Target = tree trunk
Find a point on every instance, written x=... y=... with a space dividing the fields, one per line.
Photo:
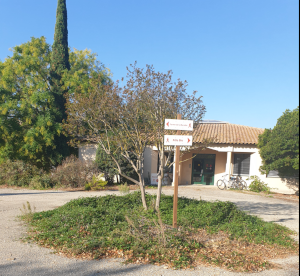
x=160 y=177
x=142 y=188
x=142 y=183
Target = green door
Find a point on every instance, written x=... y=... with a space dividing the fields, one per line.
x=203 y=169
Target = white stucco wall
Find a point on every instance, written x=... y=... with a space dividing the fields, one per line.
x=87 y=152
x=150 y=163
x=277 y=184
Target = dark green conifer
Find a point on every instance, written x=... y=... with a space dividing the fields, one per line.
x=59 y=63
x=60 y=53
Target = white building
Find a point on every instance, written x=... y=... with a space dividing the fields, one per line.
x=233 y=151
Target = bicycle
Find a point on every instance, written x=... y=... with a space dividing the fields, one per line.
x=243 y=182
x=233 y=183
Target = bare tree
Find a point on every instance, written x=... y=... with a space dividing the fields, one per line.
x=166 y=99
x=132 y=117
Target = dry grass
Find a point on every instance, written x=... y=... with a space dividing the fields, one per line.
x=219 y=251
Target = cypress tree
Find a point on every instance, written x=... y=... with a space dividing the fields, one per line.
x=60 y=53
x=59 y=63
x=60 y=57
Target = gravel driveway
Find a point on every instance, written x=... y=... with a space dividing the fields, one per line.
x=18 y=258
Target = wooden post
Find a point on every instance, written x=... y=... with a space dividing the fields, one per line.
x=175 y=198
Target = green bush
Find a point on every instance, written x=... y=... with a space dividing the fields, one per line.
x=17 y=173
x=41 y=182
x=257 y=185
x=73 y=173
x=96 y=183
x=123 y=188
x=98 y=225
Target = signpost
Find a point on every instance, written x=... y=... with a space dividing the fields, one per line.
x=179 y=124
x=154 y=179
x=177 y=140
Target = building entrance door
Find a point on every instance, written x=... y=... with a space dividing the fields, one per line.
x=203 y=169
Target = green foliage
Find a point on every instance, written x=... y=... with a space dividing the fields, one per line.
x=60 y=63
x=108 y=166
x=30 y=124
x=84 y=68
x=97 y=183
x=27 y=212
x=72 y=173
x=27 y=126
x=41 y=182
x=60 y=53
x=99 y=225
x=279 y=147
x=123 y=188
x=18 y=173
x=257 y=185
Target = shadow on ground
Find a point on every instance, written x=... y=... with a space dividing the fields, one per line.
x=38 y=193
x=267 y=209
x=80 y=268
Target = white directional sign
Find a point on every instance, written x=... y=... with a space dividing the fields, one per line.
x=179 y=124
x=154 y=179
x=178 y=140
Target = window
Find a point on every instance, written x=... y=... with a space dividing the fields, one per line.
x=241 y=164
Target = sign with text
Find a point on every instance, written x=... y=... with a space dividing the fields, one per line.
x=178 y=140
x=154 y=179
x=179 y=124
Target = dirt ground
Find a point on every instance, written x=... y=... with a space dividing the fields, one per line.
x=18 y=258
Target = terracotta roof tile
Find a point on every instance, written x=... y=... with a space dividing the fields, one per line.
x=225 y=133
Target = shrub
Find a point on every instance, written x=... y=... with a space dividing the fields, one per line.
x=257 y=185
x=123 y=189
x=112 y=226
x=97 y=183
x=17 y=173
x=74 y=172
x=41 y=182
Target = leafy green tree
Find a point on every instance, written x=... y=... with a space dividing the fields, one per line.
x=28 y=120
x=279 y=147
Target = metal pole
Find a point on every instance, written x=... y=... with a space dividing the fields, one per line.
x=175 y=199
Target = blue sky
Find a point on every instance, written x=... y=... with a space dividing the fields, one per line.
x=242 y=56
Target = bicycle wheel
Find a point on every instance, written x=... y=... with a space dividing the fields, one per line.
x=221 y=184
x=239 y=185
x=244 y=184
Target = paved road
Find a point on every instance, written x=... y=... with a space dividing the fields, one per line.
x=17 y=258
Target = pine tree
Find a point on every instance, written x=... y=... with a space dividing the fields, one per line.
x=59 y=63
